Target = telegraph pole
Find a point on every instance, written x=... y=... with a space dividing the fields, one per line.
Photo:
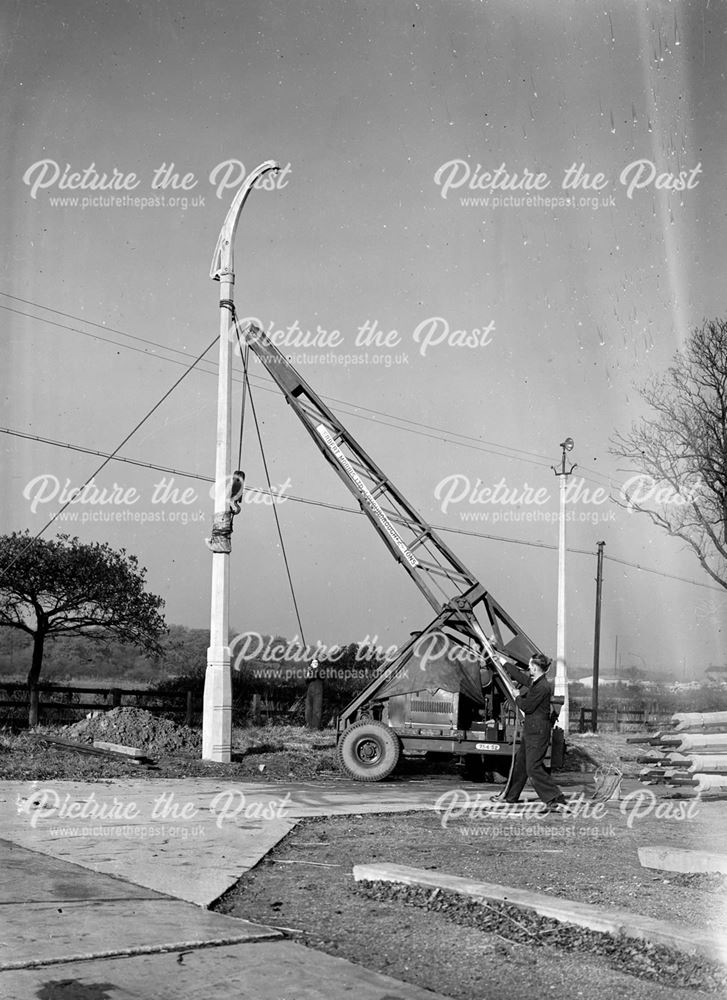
x=217 y=708
x=597 y=637
x=561 y=673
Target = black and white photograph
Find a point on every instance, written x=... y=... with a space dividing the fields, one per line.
x=363 y=508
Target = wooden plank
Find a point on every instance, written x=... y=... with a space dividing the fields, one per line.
x=86 y=748
x=680 y=859
x=119 y=748
x=687 y=939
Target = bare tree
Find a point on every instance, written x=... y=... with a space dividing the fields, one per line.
x=63 y=586
x=680 y=452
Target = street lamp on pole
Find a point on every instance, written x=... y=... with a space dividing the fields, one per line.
x=217 y=707
x=561 y=673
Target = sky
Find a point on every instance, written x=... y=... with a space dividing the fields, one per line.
x=386 y=117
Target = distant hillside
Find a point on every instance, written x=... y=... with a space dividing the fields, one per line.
x=78 y=658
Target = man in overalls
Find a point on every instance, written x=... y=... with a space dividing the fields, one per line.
x=530 y=758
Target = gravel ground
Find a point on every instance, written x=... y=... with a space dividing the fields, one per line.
x=638 y=958
x=306 y=885
x=259 y=754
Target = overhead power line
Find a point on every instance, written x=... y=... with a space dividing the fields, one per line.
x=350 y=510
x=283 y=549
x=175 y=350
x=110 y=456
x=413 y=426
x=264 y=384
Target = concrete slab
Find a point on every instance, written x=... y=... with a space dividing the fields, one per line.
x=69 y=914
x=677 y=859
x=191 y=840
x=116 y=941
x=687 y=939
x=274 y=970
x=188 y=838
x=26 y=877
x=46 y=933
x=198 y=871
x=345 y=797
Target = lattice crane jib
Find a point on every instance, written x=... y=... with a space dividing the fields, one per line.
x=451 y=589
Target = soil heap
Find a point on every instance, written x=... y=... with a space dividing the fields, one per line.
x=135 y=727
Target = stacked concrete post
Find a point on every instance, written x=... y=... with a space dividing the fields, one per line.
x=690 y=755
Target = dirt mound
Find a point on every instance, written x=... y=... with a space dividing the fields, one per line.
x=134 y=727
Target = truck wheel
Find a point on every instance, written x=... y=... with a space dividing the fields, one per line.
x=368 y=751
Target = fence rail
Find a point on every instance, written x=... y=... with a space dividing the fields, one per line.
x=622 y=720
x=70 y=701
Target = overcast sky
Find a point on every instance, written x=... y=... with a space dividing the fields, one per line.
x=385 y=116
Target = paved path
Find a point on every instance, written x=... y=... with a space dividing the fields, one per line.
x=188 y=838
x=98 y=881
x=274 y=970
x=53 y=912
x=70 y=934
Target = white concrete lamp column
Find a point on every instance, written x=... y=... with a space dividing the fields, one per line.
x=217 y=707
x=561 y=669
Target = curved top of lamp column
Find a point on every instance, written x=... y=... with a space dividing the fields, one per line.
x=223 y=260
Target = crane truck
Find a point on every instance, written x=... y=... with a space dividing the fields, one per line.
x=451 y=688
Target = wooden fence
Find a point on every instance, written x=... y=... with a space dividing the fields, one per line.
x=61 y=702
x=622 y=720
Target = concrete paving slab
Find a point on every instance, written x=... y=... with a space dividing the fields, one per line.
x=71 y=914
x=188 y=838
x=46 y=933
x=197 y=871
x=191 y=840
x=106 y=946
x=27 y=878
x=272 y=970
x=678 y=859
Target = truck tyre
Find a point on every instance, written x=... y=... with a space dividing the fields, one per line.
x=368 y=751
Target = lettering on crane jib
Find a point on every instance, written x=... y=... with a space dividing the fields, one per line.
x=368 y=498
